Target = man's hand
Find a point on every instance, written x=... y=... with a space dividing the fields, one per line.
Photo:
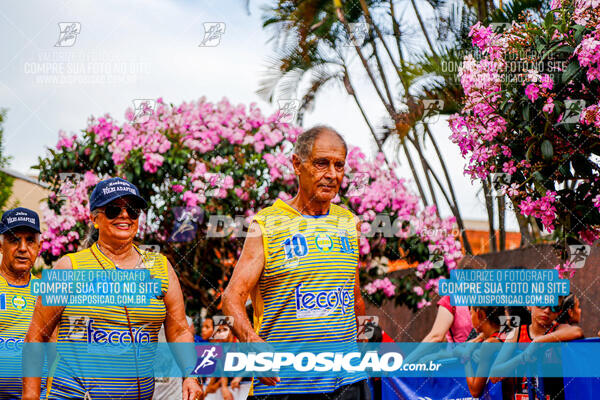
x=226 y=393
x=269 y=381
x=192 y=389
x=235 y=383
x=272 y=380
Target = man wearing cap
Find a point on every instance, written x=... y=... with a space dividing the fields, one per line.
x=115 y=206
x=19 y=246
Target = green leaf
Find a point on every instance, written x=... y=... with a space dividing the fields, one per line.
x=570 y=71
x=539 y=177
x=548 y=20
x=566 y=49
x=565 y=170
x=552 y=50
x=540 y=47
x=526 y=113
x=547 y=150
x=579 y=29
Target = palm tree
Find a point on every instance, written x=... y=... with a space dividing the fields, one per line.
x=402 y=56
x=6 y=181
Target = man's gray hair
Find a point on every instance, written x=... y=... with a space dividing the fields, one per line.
x=306 y=140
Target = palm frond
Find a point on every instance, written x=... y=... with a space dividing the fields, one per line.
x=511 y=11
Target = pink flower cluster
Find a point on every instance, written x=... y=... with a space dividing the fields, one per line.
x=588 y=54
x=104 y=129
x=591 y=115
x=539 y=85
x=372 y=189
x=74 y=210
x=541 y=208
x=280 y=166
x=65 y=142
x=484 y=132
x=583 y=13
x=565 y=270
x=488 y=42
x=384 y=285
x=479 y=123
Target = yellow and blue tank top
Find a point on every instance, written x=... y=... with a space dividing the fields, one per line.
x=108 y=324
x=306 y=290
x=16 y=308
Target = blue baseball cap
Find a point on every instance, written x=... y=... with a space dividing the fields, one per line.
x=111 y=189
x=19 y=217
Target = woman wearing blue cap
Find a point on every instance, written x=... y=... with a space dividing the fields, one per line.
x=115 y=206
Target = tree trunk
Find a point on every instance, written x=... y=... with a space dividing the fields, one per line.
x=489 y=205
x=501 y=222
x=526 y=237
x=414 y=173
x=426 y=171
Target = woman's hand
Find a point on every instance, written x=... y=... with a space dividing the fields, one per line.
x=192 y=389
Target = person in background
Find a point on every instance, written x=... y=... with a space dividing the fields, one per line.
x=452 y=323
x=570 y=311
x=218 y=388
x=543 y=329
x=486 y=321
x=519 y=311
x=207 y=329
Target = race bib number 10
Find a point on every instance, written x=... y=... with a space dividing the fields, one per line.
x=295 y=246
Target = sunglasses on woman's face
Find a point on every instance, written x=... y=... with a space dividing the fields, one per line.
x=113 y=211
x=553 y=309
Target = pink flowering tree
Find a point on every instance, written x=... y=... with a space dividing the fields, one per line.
x=218 y=164
x=530 y=119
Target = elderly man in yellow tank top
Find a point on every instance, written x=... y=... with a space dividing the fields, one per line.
x=19 y=246
x=299 y=265
x=115 y=205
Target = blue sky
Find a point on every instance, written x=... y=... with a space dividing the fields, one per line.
x=152 y=50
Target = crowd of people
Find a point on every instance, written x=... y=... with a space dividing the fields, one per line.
x=302 y=281
x=507 y=326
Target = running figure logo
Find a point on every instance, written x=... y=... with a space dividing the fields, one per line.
x=508 y=326
x=144 y=109
x=357 y=34
x=288 y=110
x=366 y=326
x=578 y=254
x=207 y=359
x=431 y=110
x=186 y=223
x=212 y=34
x=68 y=33
x=77 y=327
